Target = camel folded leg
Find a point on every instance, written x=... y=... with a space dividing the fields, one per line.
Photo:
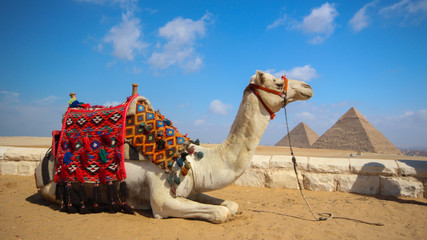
x=185 y=208
x=204 y=198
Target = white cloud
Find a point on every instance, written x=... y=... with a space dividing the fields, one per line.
x=305 y=116
x=111 y=103
x=100 y=47
x=218 y=107
x=360 y=19
x=404 y=130
x=136 y=70
x=304 y=73
x=200 y=122
x=411 y=10
x=9 y=94
x=92 y=1
x=45 y=114
x=181 y=35
x=48 y=99
x=110 y=64
x=277 y=22
x=125 y=4
x=125 y=37
x=184 y=105
x=320 y=23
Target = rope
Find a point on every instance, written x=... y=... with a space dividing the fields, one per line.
x=320 y=216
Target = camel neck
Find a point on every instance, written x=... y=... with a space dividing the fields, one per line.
x=245 y=134
x=225 y=163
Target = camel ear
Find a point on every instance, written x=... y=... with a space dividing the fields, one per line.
x=260 y=77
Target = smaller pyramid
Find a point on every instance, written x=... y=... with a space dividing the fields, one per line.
x=354 y=132
x=302 y=136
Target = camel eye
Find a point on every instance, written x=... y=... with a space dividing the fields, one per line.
x=279 y=85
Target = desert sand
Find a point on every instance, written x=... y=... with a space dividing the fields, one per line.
x=265 y=214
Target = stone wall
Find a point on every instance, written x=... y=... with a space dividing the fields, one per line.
x=406 y=178
x=19 y=160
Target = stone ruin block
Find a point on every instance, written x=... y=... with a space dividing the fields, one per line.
x=319 y=182
x=251 y=178
x=282 y=179
x=399 y=186
x=361 y=184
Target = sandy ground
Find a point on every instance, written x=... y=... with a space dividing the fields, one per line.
x=265 y=214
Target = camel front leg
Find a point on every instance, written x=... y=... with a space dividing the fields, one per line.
x=185 y=208
x=204 y=198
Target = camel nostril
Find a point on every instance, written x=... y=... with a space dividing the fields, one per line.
x=307 y=86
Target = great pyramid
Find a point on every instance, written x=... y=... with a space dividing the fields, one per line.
x=301 y=136
x=353 y=132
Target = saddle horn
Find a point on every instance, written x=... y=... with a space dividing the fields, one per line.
x=134 y=89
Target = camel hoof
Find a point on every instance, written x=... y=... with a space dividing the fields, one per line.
x=222 y=215
x=232 y=206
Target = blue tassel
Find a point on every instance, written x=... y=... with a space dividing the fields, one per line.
x=67 y=158
x=180 y=162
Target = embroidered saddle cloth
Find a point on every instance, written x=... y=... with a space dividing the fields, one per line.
x=154 y=136
x=91 y=143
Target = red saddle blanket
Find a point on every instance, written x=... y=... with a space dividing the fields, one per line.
x=91 y=148
x=91 y=145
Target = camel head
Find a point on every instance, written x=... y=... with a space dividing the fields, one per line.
x=272 y=91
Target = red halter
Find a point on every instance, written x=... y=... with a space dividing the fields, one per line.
x=254 y=88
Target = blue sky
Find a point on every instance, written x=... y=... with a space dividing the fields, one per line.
x=193 y=59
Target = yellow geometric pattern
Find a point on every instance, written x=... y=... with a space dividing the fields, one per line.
x=153 y=135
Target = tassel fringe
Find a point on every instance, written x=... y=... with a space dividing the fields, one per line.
x=96 y=198
x=83 y=199
x=66 y=195
x=69 y=198
x=126 y=209
x=60 y=196
x=124 y=194
x=112 y=197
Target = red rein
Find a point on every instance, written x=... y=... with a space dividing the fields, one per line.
x=254 y=88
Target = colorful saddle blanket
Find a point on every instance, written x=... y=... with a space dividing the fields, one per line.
x=154 y=136
x=91 y=142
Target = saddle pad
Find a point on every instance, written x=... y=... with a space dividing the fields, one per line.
x=154 y=136
x=91 y=145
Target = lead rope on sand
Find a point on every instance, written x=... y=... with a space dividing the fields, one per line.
x=320 y=216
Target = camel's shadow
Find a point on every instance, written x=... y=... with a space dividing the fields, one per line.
x=37 y=199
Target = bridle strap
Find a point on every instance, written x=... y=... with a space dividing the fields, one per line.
x=254 y=88
x=280 y=94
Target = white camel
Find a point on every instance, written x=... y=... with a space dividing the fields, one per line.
x=221 y=165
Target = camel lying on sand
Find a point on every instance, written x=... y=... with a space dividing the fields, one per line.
x=220 y=166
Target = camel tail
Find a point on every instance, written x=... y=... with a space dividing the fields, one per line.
x=45 y=170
